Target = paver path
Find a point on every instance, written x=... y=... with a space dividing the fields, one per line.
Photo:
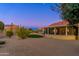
x=40 y=47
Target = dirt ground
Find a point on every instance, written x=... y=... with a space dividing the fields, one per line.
x=39 y=47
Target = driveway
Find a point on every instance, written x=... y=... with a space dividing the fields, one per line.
x=39 y=47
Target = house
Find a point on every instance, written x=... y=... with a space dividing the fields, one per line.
x=10 y=27
x=60 y=30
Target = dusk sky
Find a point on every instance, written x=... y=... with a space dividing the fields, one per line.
x=30 y=15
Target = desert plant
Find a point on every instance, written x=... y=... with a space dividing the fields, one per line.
x=9 y=33
x=22 y=32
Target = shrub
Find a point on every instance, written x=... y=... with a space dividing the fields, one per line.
x=9 y=33
x=35 y=36
x=2 y=42
x=22 y=33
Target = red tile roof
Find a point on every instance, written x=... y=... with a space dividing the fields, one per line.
x=60 y=23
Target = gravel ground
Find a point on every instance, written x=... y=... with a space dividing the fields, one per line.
x=39 y=47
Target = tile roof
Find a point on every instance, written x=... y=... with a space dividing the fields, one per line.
x=60 y=23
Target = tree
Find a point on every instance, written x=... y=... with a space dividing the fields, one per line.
x=70 y=12
x=1 y=26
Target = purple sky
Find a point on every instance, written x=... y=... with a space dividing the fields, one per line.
x=30 y=15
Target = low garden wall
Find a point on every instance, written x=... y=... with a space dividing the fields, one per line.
x=61 y=37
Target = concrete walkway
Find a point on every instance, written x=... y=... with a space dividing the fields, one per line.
x=39 y=47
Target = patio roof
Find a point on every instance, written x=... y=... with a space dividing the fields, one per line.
x=60 y=23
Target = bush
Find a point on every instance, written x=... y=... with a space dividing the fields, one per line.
x=22 y=33
x=9 y=33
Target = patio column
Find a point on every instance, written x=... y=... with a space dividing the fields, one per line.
x=43 y=31
x=48 y=30
x=66 y=31
x=54 y=31
x=78 y=31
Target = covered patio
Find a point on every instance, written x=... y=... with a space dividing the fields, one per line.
x=60 y=30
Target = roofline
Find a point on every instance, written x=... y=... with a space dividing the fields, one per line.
x=61 y=26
